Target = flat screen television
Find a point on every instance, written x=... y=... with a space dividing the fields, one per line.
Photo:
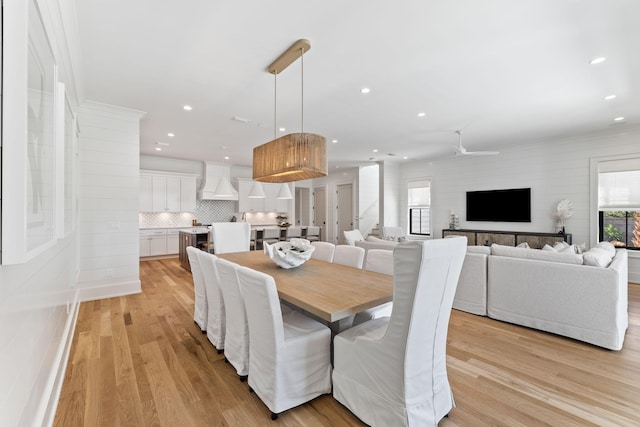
x=512 y=205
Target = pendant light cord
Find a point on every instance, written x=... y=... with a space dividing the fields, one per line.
x=302 y=91
x=275 y=104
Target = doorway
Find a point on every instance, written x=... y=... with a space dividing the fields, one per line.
x=302 y=207
x=344 y=210
x=320 y=210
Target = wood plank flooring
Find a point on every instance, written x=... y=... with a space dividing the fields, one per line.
x=140 y=360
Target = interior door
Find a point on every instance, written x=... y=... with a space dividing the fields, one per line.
x=344 y=209
x=302 y=206
x=320 y=209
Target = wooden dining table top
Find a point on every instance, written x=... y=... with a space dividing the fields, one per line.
x=329 y=291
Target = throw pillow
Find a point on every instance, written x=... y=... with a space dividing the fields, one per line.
x=523 y=245
x=607 y=246
x=535 y=254
x=597 y=257
x=559 y=246
x=549 y=248
x=570 y=249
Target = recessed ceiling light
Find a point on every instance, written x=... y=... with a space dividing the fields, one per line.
x=226 y=157
x=405 y=157
x=158 y=149
x=375 y=150
x=170 y=135
x=619 y=119
x=365 y=90
x=335 y=141
x=187 y=107
x=609 y=97
x=282 y=129
x=598 y=60
x=422 y=114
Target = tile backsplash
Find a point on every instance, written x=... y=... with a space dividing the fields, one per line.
x=207 y=211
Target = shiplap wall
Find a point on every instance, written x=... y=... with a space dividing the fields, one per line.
x=554 y=170
x=109 y=201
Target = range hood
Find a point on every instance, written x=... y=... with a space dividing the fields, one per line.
x=212 y=174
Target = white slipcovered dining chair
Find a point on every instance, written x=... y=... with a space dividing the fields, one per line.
x=352 y=256
x=392 y=371
x=236 y=336
x=379 y=261
x=200 y=294
x=323 y=251
x=289 y=361
x=352 y=236
x=230 y=237
x=215 y=301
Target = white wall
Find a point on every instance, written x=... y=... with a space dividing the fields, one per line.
x=331 y=182
x=368 y=198
x=390 y=194
x=109 y=201
x=554 y=170
x=38 y=299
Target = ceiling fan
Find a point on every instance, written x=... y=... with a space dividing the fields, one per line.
x=461 y=151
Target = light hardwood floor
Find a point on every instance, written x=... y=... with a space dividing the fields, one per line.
x=140 y=360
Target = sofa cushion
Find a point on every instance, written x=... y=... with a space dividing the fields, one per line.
x=597 y=257
x=535 y=254
x=483 y=250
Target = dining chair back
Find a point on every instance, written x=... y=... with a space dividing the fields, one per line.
x=236 y=337
x=323 y=251
x=230 y=237
x=271 y=235
x=393 y=371
x=200 y=294
x=294 y=232
x=289 y=356
x=215 y=301
x=352 y=256
x=380 y=261
x=312 y=233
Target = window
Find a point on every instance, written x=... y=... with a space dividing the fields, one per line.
x=619 y=203
x=419 y=204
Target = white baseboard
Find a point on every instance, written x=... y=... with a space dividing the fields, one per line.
x=109 y=291
x=48 y=407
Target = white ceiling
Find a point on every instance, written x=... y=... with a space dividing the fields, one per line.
x=503 y=71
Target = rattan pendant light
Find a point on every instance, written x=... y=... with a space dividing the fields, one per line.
x=296 y=156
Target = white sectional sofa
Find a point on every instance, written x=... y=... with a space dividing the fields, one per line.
x=555 y=293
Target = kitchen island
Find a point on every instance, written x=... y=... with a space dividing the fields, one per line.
x=198 y=238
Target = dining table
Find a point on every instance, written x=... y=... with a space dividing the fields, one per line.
x=331 y=292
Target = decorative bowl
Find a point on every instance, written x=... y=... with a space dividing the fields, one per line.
x=289 y=254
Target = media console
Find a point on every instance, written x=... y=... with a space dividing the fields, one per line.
x=508 y=238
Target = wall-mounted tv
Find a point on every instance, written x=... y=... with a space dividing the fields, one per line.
x=512 y=205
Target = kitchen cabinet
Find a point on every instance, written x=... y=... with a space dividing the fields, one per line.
x=153 y=242
x=270 y=203
x=172 y=241
x=167 y=193
x=196 y=238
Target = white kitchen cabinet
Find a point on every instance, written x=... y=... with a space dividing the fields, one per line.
x=153 y=242
x=172 y=241
x=270 y=203
x=245 y=204
x=187 y=194
x=167 y=193
x=146 y=196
